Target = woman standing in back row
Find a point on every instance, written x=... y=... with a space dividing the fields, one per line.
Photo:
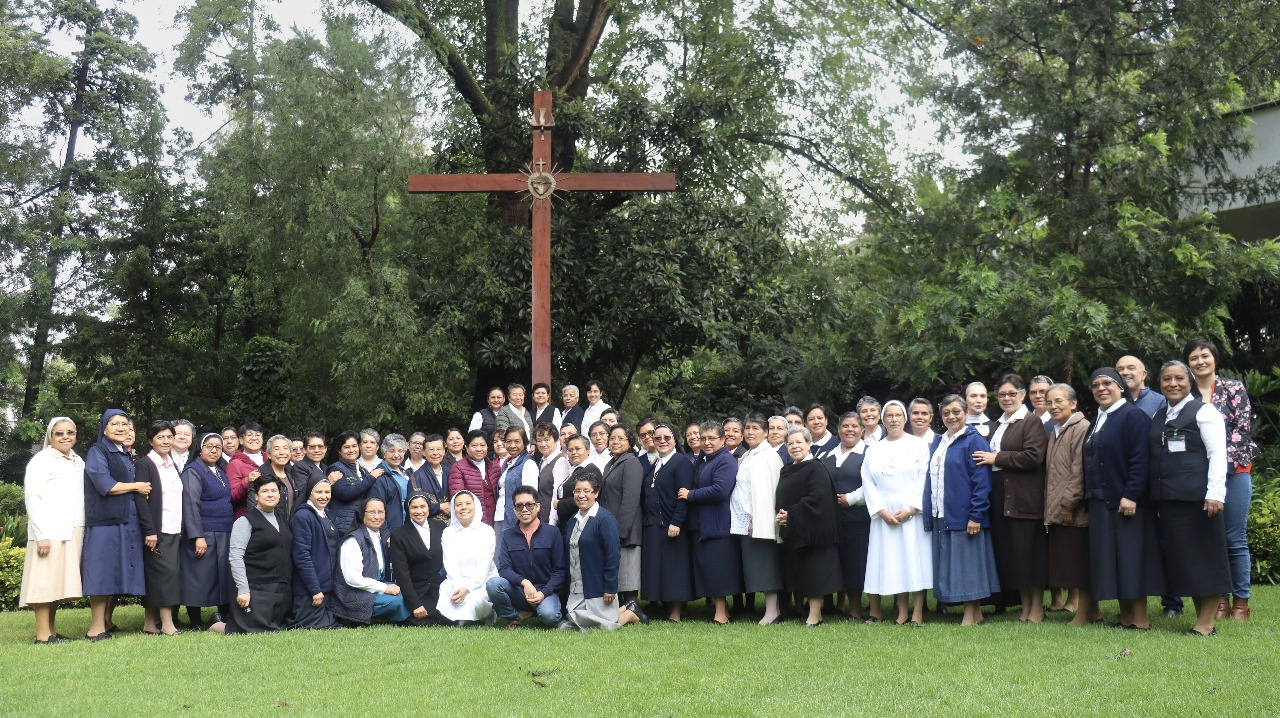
x=1231 y=400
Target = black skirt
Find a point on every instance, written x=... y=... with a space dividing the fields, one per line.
x=717 y=566
x=761 y=565
x=812 y=570
x=163 y=568
x=268 y=611
x=1021 y=552
x=1069 y=557
x=1195 y=549
x=666 y=566
x=1124 y=553
x=854 y=539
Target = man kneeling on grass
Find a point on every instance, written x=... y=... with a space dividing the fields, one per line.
x=531 y=566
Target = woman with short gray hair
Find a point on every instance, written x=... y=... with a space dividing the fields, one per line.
x=392 y=485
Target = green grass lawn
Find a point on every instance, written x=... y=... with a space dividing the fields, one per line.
x=843 y=668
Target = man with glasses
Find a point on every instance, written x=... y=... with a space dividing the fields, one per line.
x=314 y=447
x=531 y=568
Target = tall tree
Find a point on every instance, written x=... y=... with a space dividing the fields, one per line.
x=99 y=97
x=1098 y=135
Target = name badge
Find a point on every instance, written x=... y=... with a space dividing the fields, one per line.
x=1177 y=443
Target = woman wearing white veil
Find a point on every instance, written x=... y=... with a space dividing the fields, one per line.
x=468 y=545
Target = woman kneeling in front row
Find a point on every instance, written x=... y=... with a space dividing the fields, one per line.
x=261 y=556
x=361 y=590
x=594 y=553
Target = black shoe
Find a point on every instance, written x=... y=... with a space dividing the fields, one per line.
x=1172 y=612
x=813 y=625
x=1190 y=632
x=59 y=639
x=512 y=623
x=100 y=637
x=634 y=607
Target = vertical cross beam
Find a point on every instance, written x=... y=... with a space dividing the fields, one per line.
x=542 y=119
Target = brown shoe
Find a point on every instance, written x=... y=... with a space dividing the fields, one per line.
x=1224 y=608
x=1240 y=609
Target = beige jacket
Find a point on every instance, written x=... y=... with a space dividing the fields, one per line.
x=1064 y=473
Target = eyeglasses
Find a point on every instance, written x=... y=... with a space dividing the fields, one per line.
x=64 y=433
x=1009 y=394
x=663 y=437
x=583 y=492
x=646 y=434
x=315 y=446
x=526 y=507
x=1103 y=384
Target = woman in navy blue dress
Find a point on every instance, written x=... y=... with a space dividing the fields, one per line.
x=111 y=563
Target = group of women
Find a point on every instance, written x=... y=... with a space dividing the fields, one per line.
x=406 y=531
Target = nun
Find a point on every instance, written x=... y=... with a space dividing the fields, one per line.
x=111 y=563
x=1124 y=554
x=207 y=516
x=415 y=552
x=468 y=545
x=315 y=548
x=54 y=488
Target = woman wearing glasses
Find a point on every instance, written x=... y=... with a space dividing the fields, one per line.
x=622 y=496
x=362 y=590
x=1016 y=459
x=1124 y=555
x=54 y=487
x=666 y=568
x=716 y=556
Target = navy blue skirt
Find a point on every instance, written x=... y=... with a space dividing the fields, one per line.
x=717 y=566
x=666 y=566
x=111 y=563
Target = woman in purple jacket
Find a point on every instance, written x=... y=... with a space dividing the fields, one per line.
x=717 y=565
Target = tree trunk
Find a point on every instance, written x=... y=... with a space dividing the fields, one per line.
x=45 y=289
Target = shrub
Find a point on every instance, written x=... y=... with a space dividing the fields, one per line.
x=12 y=500
x=11 y=561
x=14 y=526
x=1264 y=534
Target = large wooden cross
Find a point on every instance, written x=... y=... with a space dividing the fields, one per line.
x=541 y=181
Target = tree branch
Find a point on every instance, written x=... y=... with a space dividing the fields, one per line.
x=413 y=16
x=810 y=151
x=585 y=45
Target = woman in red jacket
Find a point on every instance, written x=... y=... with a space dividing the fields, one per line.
x=477 y=473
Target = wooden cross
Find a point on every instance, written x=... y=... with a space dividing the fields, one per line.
x=541 y=184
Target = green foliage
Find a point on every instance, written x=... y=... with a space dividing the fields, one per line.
x=14 y=526
x=12 y=500
x=1264 y=528
x=12 y=559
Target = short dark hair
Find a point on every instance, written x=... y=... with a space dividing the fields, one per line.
x=364 y=506
x=816 y=406
x=432 y=437
x=756 y=418
x=158 y=427
x=545 y=429
x=626 y=431
x=250 y=426
x=1202 y=343
x=597 y=384
x=541 y=385
x=314 y=435
x=610 y=410
x=341 y=439
x=590 y=478
x=524 y=439
x=1011 y=378
x=262 y=481
x=471 y=436
x=522 y=489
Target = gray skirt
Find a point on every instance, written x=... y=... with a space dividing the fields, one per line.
x=761 y=565
x=588 y=613
x=629 y=569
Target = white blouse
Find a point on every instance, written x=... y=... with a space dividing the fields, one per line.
x=171 y=493
x=54 y=488
x=353 y=564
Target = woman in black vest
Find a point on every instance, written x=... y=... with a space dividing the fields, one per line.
x=853 y=523
x=1188 y=444
x=261 y=557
